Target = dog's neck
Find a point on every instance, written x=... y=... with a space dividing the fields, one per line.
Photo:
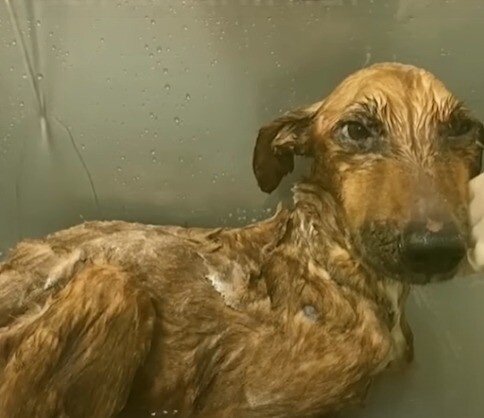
x=318 y=228
x=314 y=233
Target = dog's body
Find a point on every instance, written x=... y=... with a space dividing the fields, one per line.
x=289 y=317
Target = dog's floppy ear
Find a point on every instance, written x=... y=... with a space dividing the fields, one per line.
x=278 y=142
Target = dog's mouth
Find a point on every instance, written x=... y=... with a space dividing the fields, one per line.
x=415 y=255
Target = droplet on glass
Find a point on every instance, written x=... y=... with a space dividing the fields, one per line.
x=188 y=97
x=177 y=120
x=167 y=87
x=40 y=77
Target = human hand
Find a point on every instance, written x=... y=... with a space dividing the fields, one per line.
x=476 y=216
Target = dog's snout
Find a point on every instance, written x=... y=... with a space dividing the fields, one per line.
x=432 y=249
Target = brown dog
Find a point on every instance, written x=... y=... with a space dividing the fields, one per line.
x=289 y=317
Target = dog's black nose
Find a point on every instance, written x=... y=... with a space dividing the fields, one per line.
x=432 y=250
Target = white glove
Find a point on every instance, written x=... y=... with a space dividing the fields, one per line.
x=476 y=213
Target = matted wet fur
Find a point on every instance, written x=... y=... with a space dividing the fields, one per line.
x=292 y=316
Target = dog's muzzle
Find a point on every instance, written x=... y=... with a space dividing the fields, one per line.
x=432 y=252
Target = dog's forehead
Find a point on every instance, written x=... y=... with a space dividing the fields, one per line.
x=395 y=88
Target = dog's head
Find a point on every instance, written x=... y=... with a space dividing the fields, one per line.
x=396 y=149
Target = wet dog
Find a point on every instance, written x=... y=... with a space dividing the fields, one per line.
x=292 y=316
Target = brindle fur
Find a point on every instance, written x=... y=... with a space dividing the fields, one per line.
x=292 y=316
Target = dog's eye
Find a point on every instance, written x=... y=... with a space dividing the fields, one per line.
x=459 y=127
x=355 y=131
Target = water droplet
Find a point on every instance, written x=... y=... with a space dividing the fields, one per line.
x=177 y=120
x=188 y=97
x=14 y=42
x=167 y=87
x=153 y=155
x=119 y=169
x=11 y=70
x=165 y=70
x=38 y=23
x=153 y=21
x=147 y=47
x=159 y=49
x=181 y=159
x=53 y=47
x=152 y=115
x=123 y=157
x=40 y=77
x=155 y=134
x=151 y=55
x=185 y=27
x=21 y=104
x=108 y=80
x=51 y=34
x=102 y=40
